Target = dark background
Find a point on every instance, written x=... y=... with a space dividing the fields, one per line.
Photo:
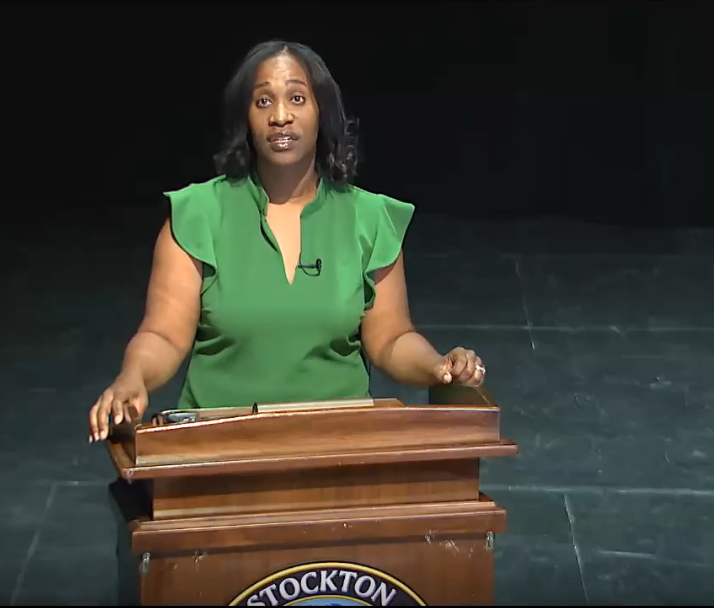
x=599 y=111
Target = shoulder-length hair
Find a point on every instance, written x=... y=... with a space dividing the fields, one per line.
x=336 y=157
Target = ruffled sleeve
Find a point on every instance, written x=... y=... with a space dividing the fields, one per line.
x=382 y=230
x=194 y=217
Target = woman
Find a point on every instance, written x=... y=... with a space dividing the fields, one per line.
x=279 y=274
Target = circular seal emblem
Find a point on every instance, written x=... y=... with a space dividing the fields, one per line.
x=328 y=584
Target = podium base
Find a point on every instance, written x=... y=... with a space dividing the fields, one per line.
x=438 y=554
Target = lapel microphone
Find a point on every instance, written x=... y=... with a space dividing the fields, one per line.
x=316 y=266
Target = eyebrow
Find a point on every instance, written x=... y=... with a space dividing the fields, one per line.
x=288 y=81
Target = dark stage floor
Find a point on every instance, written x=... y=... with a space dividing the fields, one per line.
x=599 y=344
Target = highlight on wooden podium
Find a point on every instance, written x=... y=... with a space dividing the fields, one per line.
x=355 y=502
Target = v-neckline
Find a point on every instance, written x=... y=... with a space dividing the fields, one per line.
x=260 y=197
x=276 y=245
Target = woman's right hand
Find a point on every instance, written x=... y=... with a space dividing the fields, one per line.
x=125 y=400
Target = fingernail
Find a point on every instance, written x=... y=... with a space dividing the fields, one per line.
x=117 y=419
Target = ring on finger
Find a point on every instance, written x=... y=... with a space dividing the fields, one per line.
x=480 y=368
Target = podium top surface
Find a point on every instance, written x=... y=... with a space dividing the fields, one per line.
x=279 y=437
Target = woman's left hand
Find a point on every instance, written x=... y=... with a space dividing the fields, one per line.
x=460 y=366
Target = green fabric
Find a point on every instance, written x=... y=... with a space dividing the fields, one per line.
x=259 y=338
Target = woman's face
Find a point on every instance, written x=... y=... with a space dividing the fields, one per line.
x=283 y=117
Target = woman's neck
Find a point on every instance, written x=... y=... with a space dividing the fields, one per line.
x=296 y=184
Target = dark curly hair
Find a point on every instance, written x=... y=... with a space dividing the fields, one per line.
x=336 y=157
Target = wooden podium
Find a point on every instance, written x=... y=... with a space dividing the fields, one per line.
x=347 y=503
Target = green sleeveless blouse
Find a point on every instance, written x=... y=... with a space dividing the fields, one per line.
x=259 y=338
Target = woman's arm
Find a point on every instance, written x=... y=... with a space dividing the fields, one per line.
x=390 y=340
x=168 y=328
x=162 y=341
x=394 y=346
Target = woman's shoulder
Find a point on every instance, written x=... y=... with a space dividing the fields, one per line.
x=209 y=189
x=373 y=209
x=207 y=198
x=373 y=202
x=196 y=214
x=382 y=224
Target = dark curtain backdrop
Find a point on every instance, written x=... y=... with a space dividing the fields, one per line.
x=599 y=111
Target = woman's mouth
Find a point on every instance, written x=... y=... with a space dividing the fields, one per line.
x=280 y=142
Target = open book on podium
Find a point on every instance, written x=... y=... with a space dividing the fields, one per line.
x=343 y=503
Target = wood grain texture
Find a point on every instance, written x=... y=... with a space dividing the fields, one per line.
x=341 y=487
